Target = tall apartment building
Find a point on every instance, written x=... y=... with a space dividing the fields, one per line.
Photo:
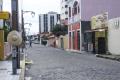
x=64 y=12
x=48 y=21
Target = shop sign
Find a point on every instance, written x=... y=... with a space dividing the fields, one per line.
x=4 y=15
x=99 y=21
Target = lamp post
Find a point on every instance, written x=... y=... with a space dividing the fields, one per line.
x=23 y=29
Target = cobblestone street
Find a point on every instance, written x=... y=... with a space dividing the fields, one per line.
x=55 y=64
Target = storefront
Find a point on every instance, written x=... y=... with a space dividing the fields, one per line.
x=74 y=36
x=100 y=29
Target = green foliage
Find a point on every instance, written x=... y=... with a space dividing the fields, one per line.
x=60 y=30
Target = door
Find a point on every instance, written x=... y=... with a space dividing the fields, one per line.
x=101 y=45
x=78 y=40
x=62 y=43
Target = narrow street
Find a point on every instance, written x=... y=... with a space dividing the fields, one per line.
x=56 y=64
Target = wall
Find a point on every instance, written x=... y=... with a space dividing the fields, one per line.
x=65 y=42
x=1 y=45
x=114 y=36
x=65 y=38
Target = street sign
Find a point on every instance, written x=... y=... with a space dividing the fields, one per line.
x=4 y=15
x=99 y=21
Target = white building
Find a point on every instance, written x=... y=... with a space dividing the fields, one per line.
x=48 y=21
x=114 y=36
x=64 y=10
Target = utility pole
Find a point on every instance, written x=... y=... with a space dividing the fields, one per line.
x=23 y=30
x=15 y=26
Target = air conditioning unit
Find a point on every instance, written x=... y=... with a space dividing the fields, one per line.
x=90 y=47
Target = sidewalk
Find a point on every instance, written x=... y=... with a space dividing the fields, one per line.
x=112 y=57
x=6 y=70
x=106 y=56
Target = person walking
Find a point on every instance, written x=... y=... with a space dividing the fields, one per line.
x=30 y=42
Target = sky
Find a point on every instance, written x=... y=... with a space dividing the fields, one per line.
x=38 y=6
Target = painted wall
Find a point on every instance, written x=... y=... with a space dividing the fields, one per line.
x=114 y=36
x=65 y=42
x=1 y=45
x=65 y=39
x=90 y=8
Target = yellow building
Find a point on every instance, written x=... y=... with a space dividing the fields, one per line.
x=63 y=42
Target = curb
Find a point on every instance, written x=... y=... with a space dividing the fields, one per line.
x=22 y=64
x=108 y=57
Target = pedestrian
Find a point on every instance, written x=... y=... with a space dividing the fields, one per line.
x=30 y=43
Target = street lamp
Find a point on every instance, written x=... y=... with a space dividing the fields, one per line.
x=23 y=29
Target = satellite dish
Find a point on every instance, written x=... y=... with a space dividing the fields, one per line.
x=14 y=38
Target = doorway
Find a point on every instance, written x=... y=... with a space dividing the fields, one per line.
x=101 y=45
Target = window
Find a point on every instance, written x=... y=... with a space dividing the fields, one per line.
x=69 y=11
x=40 y=24
x=51 y=22
x=75 y=8
x=66 y=12
x=73 y=38
x=78 y=9
x=58 y=17
x=66 y=6
x=69 y=34
x=45 y=23
x=65 y=0
x=66 y=18
x=78 y=40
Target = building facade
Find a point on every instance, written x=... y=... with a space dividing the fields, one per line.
x=74 y=24
x=90 y=8
x=48 y=21
x=64 y=12
x=113 y=36
x=80 y=13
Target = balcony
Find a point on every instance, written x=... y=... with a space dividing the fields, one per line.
x=74 y=19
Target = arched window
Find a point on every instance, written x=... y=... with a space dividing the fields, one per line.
x=75 y=7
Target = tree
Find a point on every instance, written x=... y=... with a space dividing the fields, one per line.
x=60 y=30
